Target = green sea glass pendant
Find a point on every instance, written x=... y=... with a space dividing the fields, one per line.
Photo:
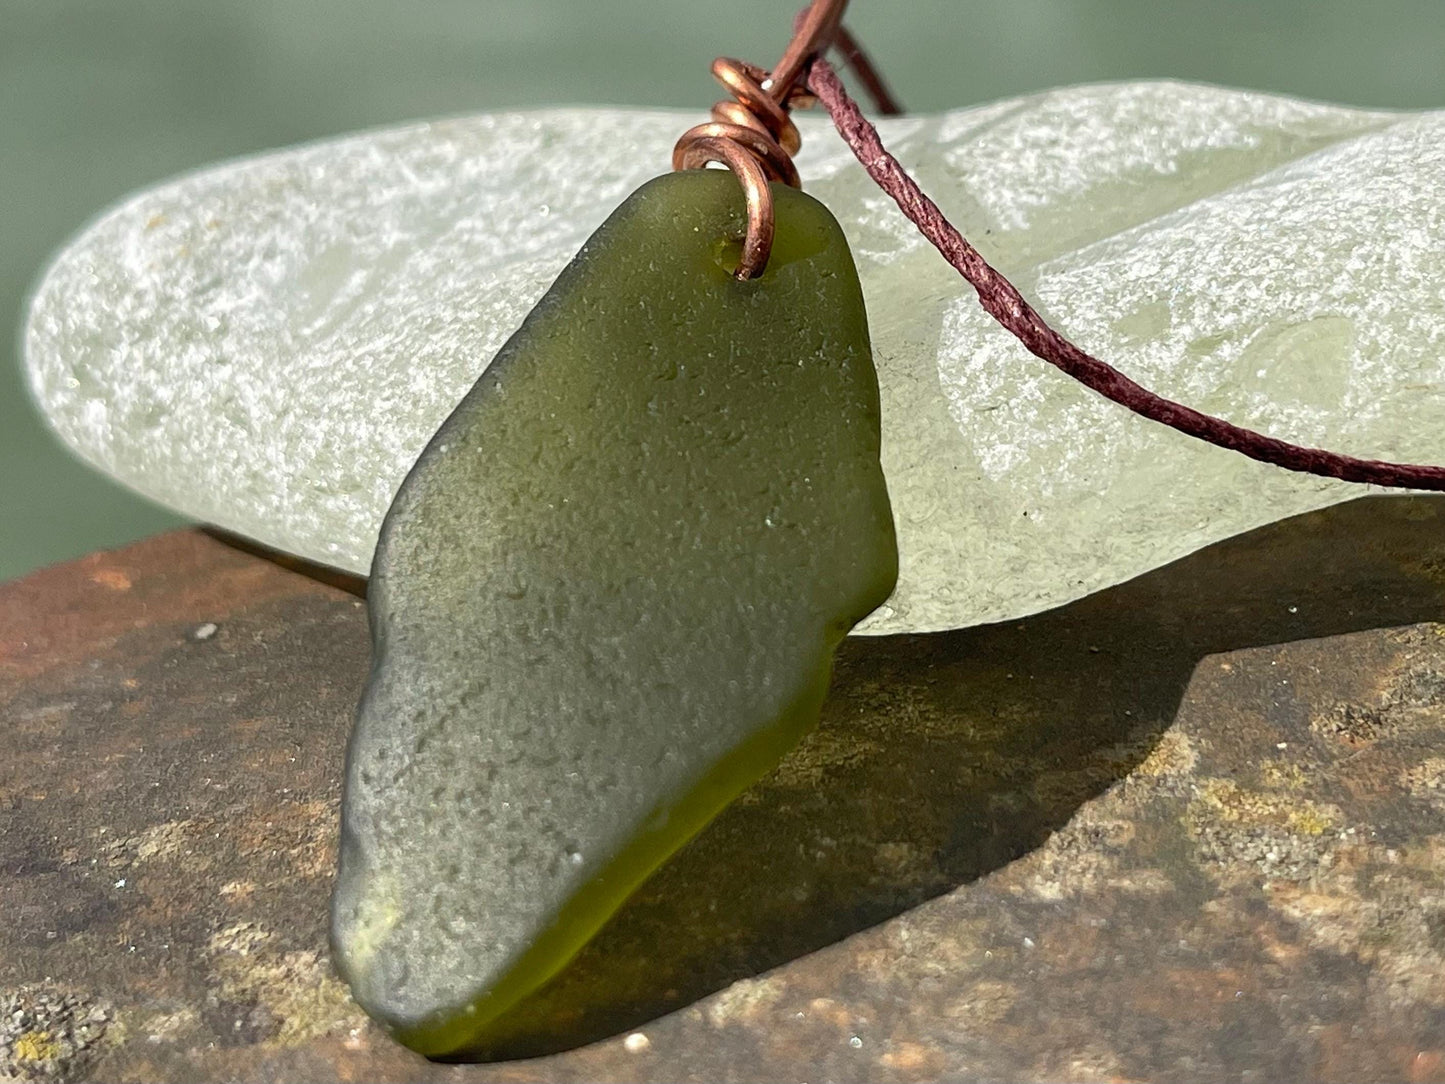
x=606 y=599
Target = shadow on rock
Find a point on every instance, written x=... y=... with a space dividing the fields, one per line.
x=943 y=757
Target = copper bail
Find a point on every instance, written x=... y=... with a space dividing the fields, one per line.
x=752 y=133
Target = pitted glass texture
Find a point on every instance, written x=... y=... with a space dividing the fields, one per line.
x=269 y=344
x=606 y=598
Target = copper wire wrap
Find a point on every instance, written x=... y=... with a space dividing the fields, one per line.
x=752 y=134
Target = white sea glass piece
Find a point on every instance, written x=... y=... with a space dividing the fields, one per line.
x=268 y=344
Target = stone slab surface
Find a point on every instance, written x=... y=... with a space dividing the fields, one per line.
x=1188 y=829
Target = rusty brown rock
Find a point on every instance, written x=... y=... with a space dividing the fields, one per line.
x=1191 y=828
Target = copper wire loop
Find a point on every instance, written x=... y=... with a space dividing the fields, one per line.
x=758 y=239
x=752 y=133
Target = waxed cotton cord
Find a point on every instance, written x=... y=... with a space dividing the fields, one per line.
x=1002 y=300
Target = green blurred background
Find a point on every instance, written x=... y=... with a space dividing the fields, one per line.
x=98 y=97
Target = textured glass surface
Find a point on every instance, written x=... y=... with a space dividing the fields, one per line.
x=269 y=344
x=606 y=599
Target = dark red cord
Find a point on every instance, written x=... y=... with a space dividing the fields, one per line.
x=1006 y=305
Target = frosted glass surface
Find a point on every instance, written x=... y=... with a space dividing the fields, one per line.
x=605 y=601
x=269 y=344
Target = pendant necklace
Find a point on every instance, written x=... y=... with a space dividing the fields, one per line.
x=606 y=597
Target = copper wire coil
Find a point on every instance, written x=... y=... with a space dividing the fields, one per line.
x=753 y=105
x=757 y=196
x=753 y=136
x=769 y=155
x=752 y=133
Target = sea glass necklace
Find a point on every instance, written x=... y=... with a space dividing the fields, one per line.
x=606 y=597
